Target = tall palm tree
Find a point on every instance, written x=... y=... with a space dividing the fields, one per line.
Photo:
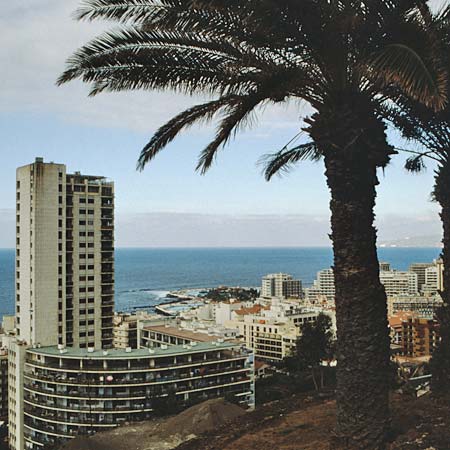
x=340 y=56
x=431 y=129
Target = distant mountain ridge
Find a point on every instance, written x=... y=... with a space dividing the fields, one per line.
x=413 y=241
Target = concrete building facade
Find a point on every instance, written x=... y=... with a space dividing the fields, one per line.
x=64 y=257
x=280 y=285
x=64 y=270
x=75 y=391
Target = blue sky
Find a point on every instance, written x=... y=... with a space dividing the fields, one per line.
x=104 y=135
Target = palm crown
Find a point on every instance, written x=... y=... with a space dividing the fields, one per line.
x=324 y=52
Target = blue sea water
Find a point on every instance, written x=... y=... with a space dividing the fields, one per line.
x=143 y=276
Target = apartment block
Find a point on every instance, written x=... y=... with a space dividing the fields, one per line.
x=399 y=282
x=322 y=288
x=4 y=385
x=280 y=285
x=68 y=392
x=64 y=257
x=423 y=307
x=419 y=269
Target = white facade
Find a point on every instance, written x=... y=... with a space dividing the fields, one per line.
x=399 y=282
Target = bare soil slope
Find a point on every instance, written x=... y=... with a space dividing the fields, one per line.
x=161 y=434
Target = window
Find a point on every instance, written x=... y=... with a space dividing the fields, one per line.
x=91 y=200
x=82 y=222
x=82 y=211
x=82 y=200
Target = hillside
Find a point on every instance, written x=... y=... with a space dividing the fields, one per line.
x=297 y=423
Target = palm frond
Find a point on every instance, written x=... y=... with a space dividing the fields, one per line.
x=121 y=10
x=133 y=59
x=285 y=159
x=171 y=129
x=237 y=117
x=415 y=164
x=401 y=65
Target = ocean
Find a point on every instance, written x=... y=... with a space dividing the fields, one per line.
x=144 y=276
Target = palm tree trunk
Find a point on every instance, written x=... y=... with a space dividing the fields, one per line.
x=440 y=362
x=361 y=312
x=314 y=379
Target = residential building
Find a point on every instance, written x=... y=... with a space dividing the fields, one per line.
x=420 y=336
x=154 y=336
x=416 y=337
x=72 y=391
x=419 y=269
x=64 y=257
x=424 y=307
x=271 y=330
x=4 y=384
x=125 y=329
x=64 y=270
x=399 y=282
x=431 y=285
x=385 y=266
x=281 y=285
x=322 y=289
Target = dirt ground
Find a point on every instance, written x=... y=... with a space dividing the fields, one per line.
x=303 y=423
x=300 y=422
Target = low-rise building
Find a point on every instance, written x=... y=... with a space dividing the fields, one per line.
x=70 y=391
x=424 y=307
x=158 y=335
x=125 y=331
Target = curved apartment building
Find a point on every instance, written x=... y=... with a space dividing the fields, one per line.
x=71 y=391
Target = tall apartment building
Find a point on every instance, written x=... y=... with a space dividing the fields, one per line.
x=64 y=270
x=64 y=257
x=281 y=285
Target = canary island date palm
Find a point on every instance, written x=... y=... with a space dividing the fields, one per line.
x=431 y=129
x=342 y=58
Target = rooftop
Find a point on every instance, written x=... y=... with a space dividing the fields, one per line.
x=79 y=353
x=181 y=333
